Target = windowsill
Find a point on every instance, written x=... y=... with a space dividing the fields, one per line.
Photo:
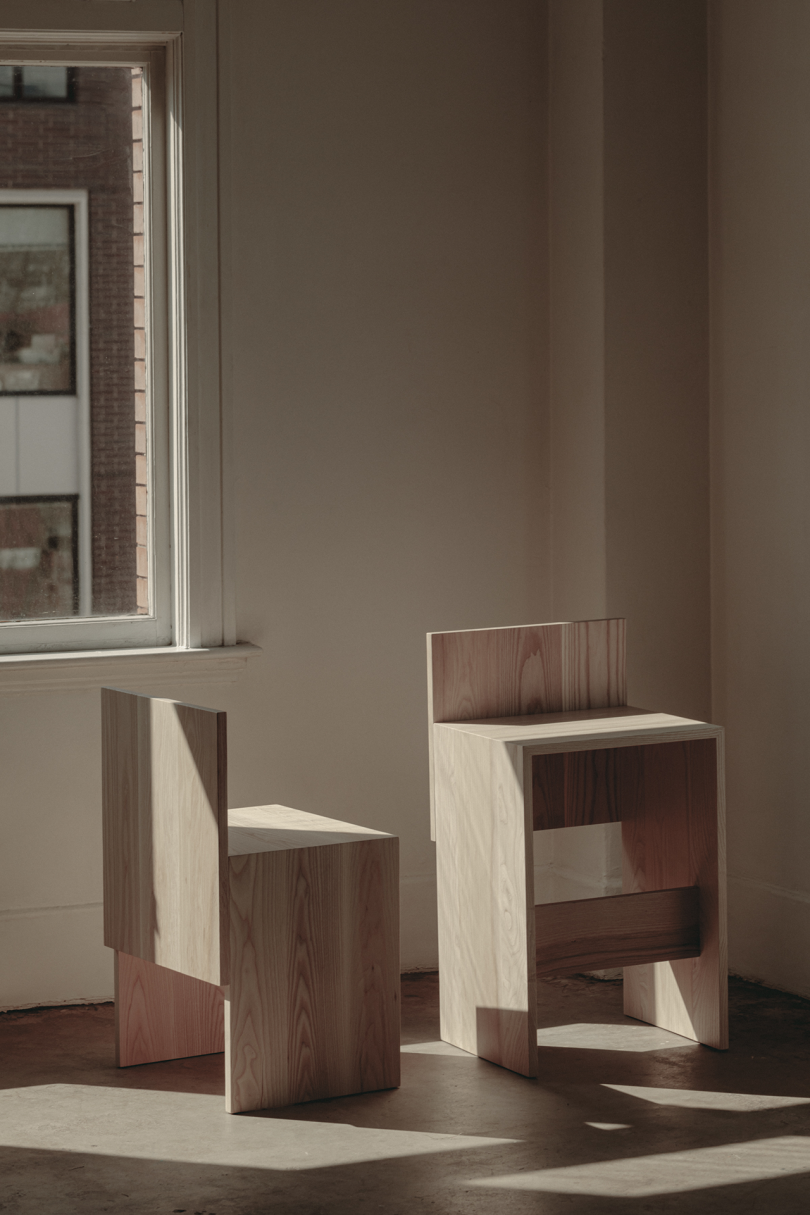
x=142 y=670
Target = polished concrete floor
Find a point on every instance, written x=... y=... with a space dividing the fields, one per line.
x=624 y=1118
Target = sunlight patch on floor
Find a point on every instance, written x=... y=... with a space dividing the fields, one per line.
x=699 y=1100
x=193 y=1128
x=668 y=1173
x=610 y=1126
x=435 y=1048
x=630 y=1037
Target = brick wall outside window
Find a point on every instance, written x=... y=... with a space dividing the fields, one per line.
x=88 y=144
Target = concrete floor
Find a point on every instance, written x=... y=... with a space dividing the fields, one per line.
x=624 y=1118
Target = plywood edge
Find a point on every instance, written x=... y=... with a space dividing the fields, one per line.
x=641 y=738
x=222 y=824
x=721 y=1041
x=431 y=775
x=520 y=761
x=616 y=730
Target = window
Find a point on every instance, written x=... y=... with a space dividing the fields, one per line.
x=130 y=551
x=81 y=409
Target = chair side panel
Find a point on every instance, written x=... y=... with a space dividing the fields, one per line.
x=164 y=804
x=313 y=1008
x=675 y=836
x=160 y=1014
x=484 y=875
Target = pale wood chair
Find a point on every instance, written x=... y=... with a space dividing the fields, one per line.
x=265 y=932
x=529 y=730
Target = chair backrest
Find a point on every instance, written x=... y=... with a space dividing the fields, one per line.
x=165 y=830
x=527 y=669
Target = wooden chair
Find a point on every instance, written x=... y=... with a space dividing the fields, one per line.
x=529 y=731
x=265 y=932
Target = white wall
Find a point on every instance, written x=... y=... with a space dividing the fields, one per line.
x=761 y=502
x=383 y=200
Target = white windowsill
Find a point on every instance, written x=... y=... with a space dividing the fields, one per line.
x=141 y=670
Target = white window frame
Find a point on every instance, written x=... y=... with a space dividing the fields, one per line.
x=200 y=613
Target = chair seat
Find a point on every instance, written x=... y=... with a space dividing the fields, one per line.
x=275 y=828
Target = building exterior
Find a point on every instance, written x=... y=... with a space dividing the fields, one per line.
x=67 y=342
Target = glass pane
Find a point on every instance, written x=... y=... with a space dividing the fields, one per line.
x=6 y=81
x=74 y=374
x=38 y=557
x=45 y=82
x=36 y=299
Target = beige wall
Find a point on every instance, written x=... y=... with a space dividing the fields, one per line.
x=396 y=368
x=629 y=387
x=761 y=500
x=382 y=192
x=629 y=290
x=387 y=285
x=656 y=348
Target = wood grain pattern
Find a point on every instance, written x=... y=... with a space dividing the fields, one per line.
x=161 y=1014
x=487 y=970
x=664 y=780
x=675 y=836
x=313 y=1011
x=164 y=799
x=540 y=668
x=622 y=930
x=579 y=788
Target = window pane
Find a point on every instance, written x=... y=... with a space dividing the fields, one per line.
x=6 y=82
x=36 y=299
x=49 y=82
x=74 y=376
x=38 y=557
